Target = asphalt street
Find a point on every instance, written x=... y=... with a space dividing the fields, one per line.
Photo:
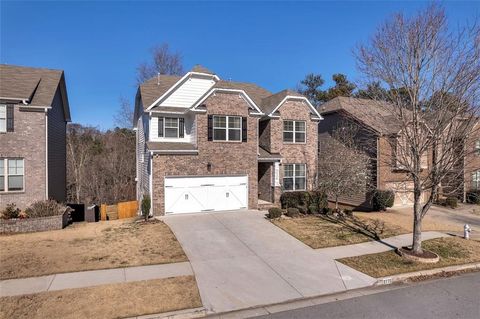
x=456 y=297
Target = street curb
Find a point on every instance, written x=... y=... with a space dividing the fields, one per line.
x=403 y=277
x=178 y=314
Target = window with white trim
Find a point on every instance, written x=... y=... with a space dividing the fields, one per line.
x=3 y=118
x=294 y=177
x=476 y=180
x=11 y=174
x=171 y=127
x=227 y=128
x=294 y=131
x=477 y=147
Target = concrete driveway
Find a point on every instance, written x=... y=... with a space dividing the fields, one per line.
x=242 y=260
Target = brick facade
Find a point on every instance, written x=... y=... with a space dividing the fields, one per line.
x=296 y=153
x=226 y=158
x=27 y=142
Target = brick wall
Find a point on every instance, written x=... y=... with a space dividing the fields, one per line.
x=28 y=142
x=33 y=224
x=226 y=158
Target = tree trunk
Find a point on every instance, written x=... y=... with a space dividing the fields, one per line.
x=417 y=222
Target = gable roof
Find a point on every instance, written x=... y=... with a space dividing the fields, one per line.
x=36 y=86
x=269 y=103
x=152 y=89
x=201 y=69
x=255 y=92
x=378 y=115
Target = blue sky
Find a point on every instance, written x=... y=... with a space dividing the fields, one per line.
x=99 y=44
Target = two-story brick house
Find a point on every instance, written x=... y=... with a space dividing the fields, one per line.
x=205 y=144
x=377 y=133
x=34 y=111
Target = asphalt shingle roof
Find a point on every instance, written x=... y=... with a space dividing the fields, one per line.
x=34 y=84
x=378 y=115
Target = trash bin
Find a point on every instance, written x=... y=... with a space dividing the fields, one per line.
x=78 y=212
x=92 y=214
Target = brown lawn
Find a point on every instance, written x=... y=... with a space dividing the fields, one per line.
x=452 y=251
x=108 y=301
x=321 y=231
x=404 y=218
x=88 y=246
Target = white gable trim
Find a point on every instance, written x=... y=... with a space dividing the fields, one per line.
x=292 y=97
x=240 y=92
x=178 y=84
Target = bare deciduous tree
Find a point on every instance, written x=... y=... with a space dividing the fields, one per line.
x=100 y=165
x=431 y=65
x=124 y=116
x=164 y=61
x=343 y=167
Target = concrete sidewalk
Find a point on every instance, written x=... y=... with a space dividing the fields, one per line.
x=373 y=247
x=13 y=287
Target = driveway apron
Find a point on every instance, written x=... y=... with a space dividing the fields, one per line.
x=242 y=260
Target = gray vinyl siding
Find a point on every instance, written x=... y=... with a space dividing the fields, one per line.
x=57 y=152
x=362 y=199
x=143 y=182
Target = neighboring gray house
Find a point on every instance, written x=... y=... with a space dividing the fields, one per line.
x=34 y=112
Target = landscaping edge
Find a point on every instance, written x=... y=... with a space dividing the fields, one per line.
x=36 y=224
x=177 y=314
x=387 y=280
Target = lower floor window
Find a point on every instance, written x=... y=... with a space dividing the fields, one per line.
x=11 y=174
x=476 y=180
x=294 y=177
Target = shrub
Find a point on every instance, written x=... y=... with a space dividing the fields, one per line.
x=294 y=199
x=451 y=201
x=274 y=212
x=292 y=212
x=45 y=208
x=319 y=199
x=473 y=197
x=348 y=212
x=383 y=199
x=10 y=211
x=327 y=210
x=302 y=209
x=313 y=209
x=146 y=203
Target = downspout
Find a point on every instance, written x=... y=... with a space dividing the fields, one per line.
x=151 y=183
x=46 y=154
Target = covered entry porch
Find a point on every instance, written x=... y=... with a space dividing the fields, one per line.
x=269 y=188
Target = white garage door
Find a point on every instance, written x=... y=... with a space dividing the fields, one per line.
x=203 y=194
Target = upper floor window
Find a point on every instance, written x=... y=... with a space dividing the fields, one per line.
x=3 y=118
x=476 y=180
x=171 y=127
x=294 y=131
x=227 y=128
x=294 y=177
x=11 y=174
x=477 y=147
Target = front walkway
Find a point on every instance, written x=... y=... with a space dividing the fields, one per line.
x=13 y=287
x=241 y=260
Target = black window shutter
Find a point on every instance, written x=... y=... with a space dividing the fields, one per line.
x=181 y=127
x=210 y=127
x=244 y=129
x=10 y=118
x=160 y=127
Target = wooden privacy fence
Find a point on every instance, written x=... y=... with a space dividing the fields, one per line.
x=119 y=211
